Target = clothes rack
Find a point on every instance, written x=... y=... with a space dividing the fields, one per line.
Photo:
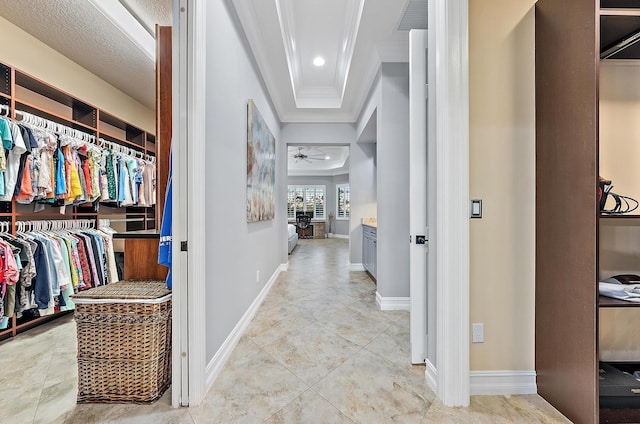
x=32 y=103
x=55 y=127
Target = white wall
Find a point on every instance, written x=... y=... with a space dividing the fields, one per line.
x=393 y=182
x=318 y=133
x=338 y=226
x=235 y=249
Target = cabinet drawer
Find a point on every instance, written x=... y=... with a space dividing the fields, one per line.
x=369 y=232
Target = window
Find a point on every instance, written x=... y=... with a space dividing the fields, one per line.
x=342 y=203
x=306 y=199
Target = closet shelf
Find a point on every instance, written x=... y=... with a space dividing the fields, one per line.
x=52 y=116
x=113 y=138
x=619 y=12
x=6 y=96
x=634 y=216
x=619 y=33
x=609 y=302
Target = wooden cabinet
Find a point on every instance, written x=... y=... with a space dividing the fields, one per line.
x=318 y=230
x=369 y=249
x=570 y=37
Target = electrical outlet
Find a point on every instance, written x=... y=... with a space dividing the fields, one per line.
x=257 y=276
x=477 y=335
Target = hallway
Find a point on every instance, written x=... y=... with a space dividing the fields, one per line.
x=319 y=350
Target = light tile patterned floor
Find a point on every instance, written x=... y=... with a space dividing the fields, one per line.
x=319 y=350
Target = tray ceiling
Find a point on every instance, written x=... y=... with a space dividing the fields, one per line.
x=317 y=160
x=353 y=36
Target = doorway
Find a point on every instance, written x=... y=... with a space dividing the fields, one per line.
x=450 y=35
x=318 y=191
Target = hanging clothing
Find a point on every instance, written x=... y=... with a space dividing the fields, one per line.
x=166 y=234
x=42 y=269
x=13 y=162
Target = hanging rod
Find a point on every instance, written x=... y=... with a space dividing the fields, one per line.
x=46 y=124
x=56 y=224
x=621 y=45
x=130 y=219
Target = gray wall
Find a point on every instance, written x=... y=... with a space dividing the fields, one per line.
x=393 y=182
x=235 y=248
x=384 y=167
x=338 y=226
x=363 y=171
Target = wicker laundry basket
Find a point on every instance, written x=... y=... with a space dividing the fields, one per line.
x=124 y=342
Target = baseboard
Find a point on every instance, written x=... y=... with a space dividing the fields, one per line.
x=222 y=355
x=503 y=382
x=340 y=236
x=355 y=267
x=393 y=303
x=431 y=374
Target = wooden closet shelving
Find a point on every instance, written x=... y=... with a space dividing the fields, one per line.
x=619 y=216
x=23 y=92
x=571 y=37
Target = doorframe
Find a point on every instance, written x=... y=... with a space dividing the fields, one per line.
x=188 y=267
x=449 y=27
x=449 y=23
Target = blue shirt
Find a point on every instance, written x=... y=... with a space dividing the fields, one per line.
x=5 y=134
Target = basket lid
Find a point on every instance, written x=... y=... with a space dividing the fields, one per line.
x=127 y=289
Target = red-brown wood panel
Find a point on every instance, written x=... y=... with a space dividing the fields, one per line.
x=163 y=115
x=566 y=215
x=141 y=260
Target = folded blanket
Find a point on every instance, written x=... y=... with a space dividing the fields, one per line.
x=611 y=287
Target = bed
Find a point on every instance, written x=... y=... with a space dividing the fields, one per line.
x=293 y=236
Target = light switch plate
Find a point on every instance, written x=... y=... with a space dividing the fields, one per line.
x=477 y=333
x=476 y=208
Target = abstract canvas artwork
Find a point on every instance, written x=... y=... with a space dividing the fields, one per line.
x=261 y=167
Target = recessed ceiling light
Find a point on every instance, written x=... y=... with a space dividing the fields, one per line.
x=327 y=157
x=318 y=61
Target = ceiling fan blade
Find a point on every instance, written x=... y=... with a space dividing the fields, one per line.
x=307 y=160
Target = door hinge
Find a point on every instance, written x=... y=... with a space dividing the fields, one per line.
x=183 y=246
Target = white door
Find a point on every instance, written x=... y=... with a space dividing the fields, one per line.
x=420 y=180
x=180 y=365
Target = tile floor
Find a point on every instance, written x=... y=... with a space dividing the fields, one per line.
x=319 y=350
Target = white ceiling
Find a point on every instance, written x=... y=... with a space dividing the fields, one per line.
x=80 y=32
x=317 y=162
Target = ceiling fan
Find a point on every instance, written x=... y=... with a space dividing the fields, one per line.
x=299 y=155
